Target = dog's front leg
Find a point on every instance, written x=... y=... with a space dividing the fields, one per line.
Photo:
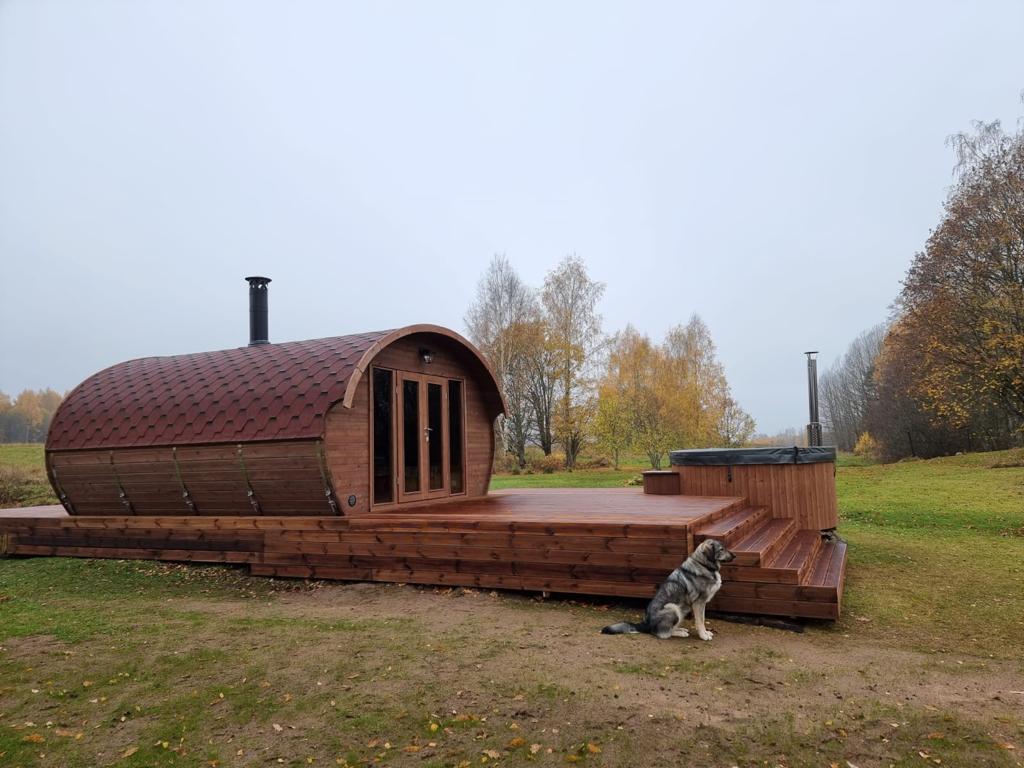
x=698 y=621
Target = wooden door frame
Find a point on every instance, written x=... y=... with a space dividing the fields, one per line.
x=399 y=497
x=403 y=496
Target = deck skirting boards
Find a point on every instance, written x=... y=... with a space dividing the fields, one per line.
x=524 y=544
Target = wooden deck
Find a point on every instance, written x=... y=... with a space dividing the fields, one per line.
x=615 y=542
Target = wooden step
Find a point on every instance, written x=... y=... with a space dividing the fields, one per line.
x=764 y=542
x=818 y=595
x=789 y=566
x=732 y=527
x=799 y=554
x=790 y=608
x=826 y=578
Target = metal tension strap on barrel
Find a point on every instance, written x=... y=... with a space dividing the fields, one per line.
x=60 y=491
x=120 y=487
x=328 y=490
x=253 y=501
x=184 y=488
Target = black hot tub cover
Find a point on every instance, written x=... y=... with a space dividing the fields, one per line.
x=717 y=457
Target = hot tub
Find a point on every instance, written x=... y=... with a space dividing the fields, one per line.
x=791 y=482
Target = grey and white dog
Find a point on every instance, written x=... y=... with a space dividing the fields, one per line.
x=688 y=588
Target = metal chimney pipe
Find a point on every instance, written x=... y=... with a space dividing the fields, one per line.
x=814 y=426
x=259 y=332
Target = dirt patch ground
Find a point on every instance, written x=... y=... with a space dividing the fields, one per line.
x=337 y=674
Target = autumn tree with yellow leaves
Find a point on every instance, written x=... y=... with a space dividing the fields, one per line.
x=951 y=369
x=26 y=418
x=656 y=397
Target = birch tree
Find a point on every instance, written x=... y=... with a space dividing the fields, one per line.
x=569 y=299
x=501 y=322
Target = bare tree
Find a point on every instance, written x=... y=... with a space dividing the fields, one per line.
x=847 y=387
x=736 y=426
x=501 y=323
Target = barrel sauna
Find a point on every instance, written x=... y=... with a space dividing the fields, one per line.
x=336 y=427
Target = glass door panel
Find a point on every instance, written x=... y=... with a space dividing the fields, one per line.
x=434 y=435
x=383 y=441
x=411 y=436
x=456 y=473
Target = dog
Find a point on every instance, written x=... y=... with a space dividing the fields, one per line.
x=687 y=589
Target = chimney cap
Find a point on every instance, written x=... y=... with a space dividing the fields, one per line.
x=258 y=280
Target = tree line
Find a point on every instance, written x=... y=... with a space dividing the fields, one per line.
x=569 y=385
x=946 y=373
x=26 y=418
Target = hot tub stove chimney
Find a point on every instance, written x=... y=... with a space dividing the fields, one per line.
x=258 y=311
x=814 y=426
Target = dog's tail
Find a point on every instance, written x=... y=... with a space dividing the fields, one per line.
x=625 y=628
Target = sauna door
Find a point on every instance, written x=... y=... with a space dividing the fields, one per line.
x=423 y=444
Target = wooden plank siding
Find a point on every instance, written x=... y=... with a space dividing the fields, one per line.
x=804 y=492
x=284 y=476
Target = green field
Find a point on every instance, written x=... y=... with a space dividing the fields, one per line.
x=23 y=480
x=137 y=664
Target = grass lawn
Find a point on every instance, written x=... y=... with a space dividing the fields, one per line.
x=125 y=663
x=23 y=480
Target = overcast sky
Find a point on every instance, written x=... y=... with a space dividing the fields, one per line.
x=772 y=167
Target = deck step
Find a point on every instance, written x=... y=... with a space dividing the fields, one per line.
x=764 y=542
x=732 y=527
x=799 y=554
x=827 y=576
x=789 y=566
x=820 y=565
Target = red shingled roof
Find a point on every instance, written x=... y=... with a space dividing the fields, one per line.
x=266 y=392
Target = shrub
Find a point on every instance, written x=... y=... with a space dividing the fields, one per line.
x=546 y=464
x=867 y=446
x=593 y=462
x=1011 y=459
x=505 y=462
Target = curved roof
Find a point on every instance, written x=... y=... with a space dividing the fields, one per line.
x=265 y=392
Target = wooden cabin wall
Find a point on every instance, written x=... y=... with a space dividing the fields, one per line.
x=805 y=492
x=285 y=477
x=347 y=434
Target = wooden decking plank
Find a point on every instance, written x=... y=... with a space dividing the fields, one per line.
x=731 y=527
x=126 y=553
x=761 y=544
x=664 y=563
x=288 y=542
x=485 y=581
x=796 y=608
